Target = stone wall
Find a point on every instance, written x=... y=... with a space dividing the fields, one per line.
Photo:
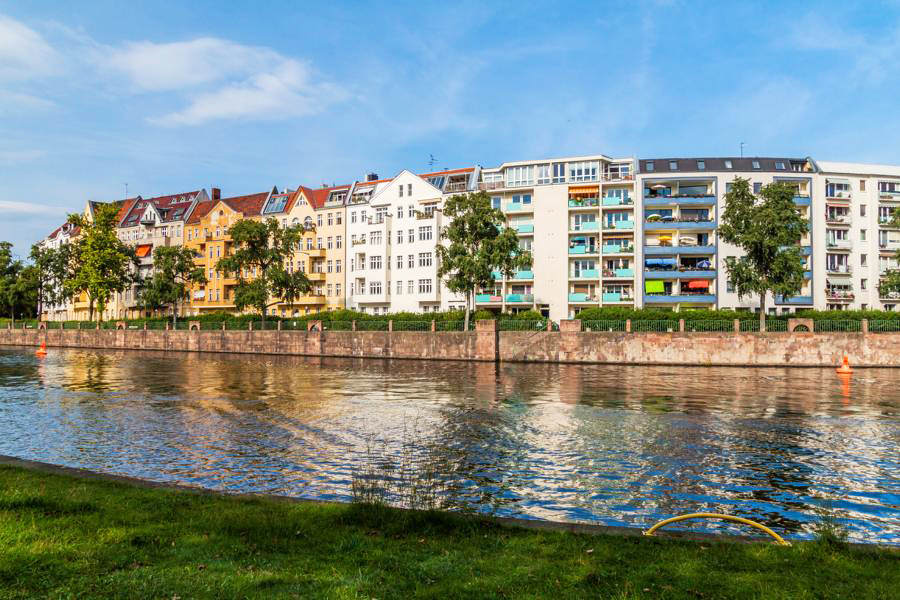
x=487 y=344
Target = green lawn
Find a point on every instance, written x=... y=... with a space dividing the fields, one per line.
x=62 y=537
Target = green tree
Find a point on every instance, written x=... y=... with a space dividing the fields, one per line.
x=102 y=263
x=478 y=243
x=257 y=261
x=890 y=281
x=174 y=273
x=768 y=228
x=11 y=291
x=53 y=269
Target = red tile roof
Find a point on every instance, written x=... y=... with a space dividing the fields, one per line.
x=171 y=208
x=250 y=205
x=201 y=210
x=317 y=197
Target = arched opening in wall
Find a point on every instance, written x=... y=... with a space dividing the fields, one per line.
x=801 y=329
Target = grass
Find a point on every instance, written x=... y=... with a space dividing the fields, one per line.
x=62 y=537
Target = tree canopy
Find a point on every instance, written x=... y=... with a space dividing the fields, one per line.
x=174 y=273
x=768 y=229
x=478 y=242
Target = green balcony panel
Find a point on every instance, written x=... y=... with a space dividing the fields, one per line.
x=623 y=224
x=578 y=297
x=589 y=226
x=524 y=275
x=654 y=287
x=615 y=249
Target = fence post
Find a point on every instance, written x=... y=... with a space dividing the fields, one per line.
x=168 y=326
x=279 y=325
x=250 y=325
x=390 y=325
x=737 y=326
x=681 y=325
x=627 y=325
x=353 y=325
x=433 y=327
x=864 y=326
x=223 y=325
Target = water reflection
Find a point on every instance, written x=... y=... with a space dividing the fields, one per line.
x=608 y=444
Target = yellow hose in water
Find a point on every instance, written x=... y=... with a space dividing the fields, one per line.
x=759 y=526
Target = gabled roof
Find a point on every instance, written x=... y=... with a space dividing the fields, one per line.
x=200 y=210
x=317 y=197
x=173 y=207
x=449 y=172
x=250 y=205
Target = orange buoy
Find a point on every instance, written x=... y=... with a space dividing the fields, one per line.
x=844 y=369
x=42 y=351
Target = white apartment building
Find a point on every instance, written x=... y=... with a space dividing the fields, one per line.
x=577 y=217
x=393 y=228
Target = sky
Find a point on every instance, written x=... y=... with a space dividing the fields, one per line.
x=169 y=97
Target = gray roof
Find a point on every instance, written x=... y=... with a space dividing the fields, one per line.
x=738 y=164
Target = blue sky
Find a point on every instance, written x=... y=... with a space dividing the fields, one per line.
x=244 y=96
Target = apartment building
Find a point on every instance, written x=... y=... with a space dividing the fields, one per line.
x=576 y=216
x=393 y=228
x=682 y=259
x=64 y=234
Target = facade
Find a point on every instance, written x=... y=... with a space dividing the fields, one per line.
x=577 y=217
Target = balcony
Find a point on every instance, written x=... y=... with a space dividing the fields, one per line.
x=839 y=296
x=582 y=249
x=802 y=201
x=679 y=200
x=487 y=299
x=839 y=245
x=617 y=297
x=680 y=249
x=582 y=298
x=889 y=246
x=316 y=276
x=622 y=225
x=497 y=275
x=672 y=223
x=794 y=300
x=586 y=226
x=680 y=274
x=840 y=220
x=618 y=273
x=310 y=300
x=520 y=298
x=617 y=249
x=529 y=228
x=616 y=201
x=679 y=299
x=514 y=207
x=886 y=222
x=586 y=274
x=523 y=275
x=456 y=186
x=838 y=269
x=583 y=202
x=491 y=185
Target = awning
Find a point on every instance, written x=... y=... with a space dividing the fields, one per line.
x=580 y=189
x=143 y=250
x=839 y=282
x=660 y=262
x=698 y=284
x=654 y=287
x=667 y=237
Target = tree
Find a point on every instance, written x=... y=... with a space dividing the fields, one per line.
x=53 y=267
x=890 y=281
x=10 y=288
x=103 y=264
x=174 y=273
x=768 y=228
x=479 y=242
x=261 y=249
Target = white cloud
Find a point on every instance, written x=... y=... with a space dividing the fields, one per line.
x=11 y=207
x=24 y=54
x=224 y=80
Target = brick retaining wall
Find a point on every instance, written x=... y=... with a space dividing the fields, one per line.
x=487 y=344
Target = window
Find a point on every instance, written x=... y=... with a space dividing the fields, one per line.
x=329 y=245
x=309 y=243
x=329 y=267
x=328 y=289
x=779 y=165
x=338 y=242
x=375 y=261
x=495 y=202
x=425 y=233
x=411 y=261
x=757 y=187
x=701 y=165
x=411 y=237
x=862 y=235
x=399 y=287
x=583 y=171
x=374 y=287
x=862 y=185
x=543 y=176
x=411 y=287
x=399 y=261
x=424 y=286
x=399 y=236
x=362 y=216
x=410 y=211
x=526 y=198
x=862 y=283
x=559 y=172
x=755 y=164
x=409 y=189
x=863 y=260
x=728 y=164
x=337 y=289
x=519 y=175
x=862 y=210
x=649 y=166
x=353 y=216
x=400 y=190
x=673 y=165
x=337 y=266
x=319 y=243
x=319 y=220
x=337 y=220
x=425 y=259
x=375 y=238
x=399 y=212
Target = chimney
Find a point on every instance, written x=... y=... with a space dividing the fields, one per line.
x=371 y=176
x=216 y=194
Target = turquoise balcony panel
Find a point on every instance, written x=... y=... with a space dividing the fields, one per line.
x=497 y=275
x=578 y=297
x=482 y=297
x=587 y=274
x=519 y=298
x=525 y=228
x=685 y=299
x=579 y=249
x=590 y=226
x=616 y=249
x=523 y=275
x=623 y=224
x=615 y=201
x=623 y=272
x=583 y=203
x=612 y=297
x=667 y=225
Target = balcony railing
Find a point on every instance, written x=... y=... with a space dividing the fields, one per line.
x=457 y=186
x=523 y=275
x=617 y=201
x=586 y=226
x=491 y=185
x=488 y=298
x=586 y=274
x=617 y=297
x=839 y=245
x=840 y=296
x=617 y=249
x=838 y=219
x=583 y=202
x=581 y=297
x=839 y=269
x=518 y=206
x=618 y=272
x=529 y=228
x=521 y=298
x=582 y=249
x=626 y=225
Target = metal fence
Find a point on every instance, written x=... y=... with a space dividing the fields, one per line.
x=521 y=325
x=709 y=325
x=603 y=325
x=337 y=325
x=884 y=326
x=666 y=325
x=412 y=325
x=827 y=326
x=371 y=325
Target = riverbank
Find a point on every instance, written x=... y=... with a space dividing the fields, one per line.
x=76 y=537
x=487 y=343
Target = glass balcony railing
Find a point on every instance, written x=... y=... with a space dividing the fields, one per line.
x=617 y=249
x=520 y=298
x=487 y=298
x=583 y=202
x=623 y=225
x=579 y=297
x=617 y=297
x=616 y=201
x=582 y=249
x=523 y=275
x=497 y=275
x=586 y=274
x=529 y=228
x=587 y=226
x=518 y=206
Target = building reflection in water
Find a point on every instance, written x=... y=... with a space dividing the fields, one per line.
x=596 y=443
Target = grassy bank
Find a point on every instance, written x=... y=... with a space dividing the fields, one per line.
x=66 y=537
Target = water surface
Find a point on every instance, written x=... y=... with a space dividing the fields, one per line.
x=599 y=444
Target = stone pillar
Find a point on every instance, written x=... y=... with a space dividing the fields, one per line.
x=627 y=325
x=549 y=325
x=353 y=325
x=223 y=325
x=279 y=325
x=250 y=325
x=121 y=325
x=681 y=325
x=168 y=326
x=390 y=325
x=487 y=340
x=570 y=326
x=864 y=326
x=737 y=325
x=145 y=325
x=434 y=326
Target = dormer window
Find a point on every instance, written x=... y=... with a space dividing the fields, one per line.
x=728 y=164
x=779 y=165
x=673 y=165
x=756 y=164
x=701 y=165
x=649 y=166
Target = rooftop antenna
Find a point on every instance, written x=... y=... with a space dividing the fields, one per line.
x=126 y=190
x=742 y=149
x=431 y=160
